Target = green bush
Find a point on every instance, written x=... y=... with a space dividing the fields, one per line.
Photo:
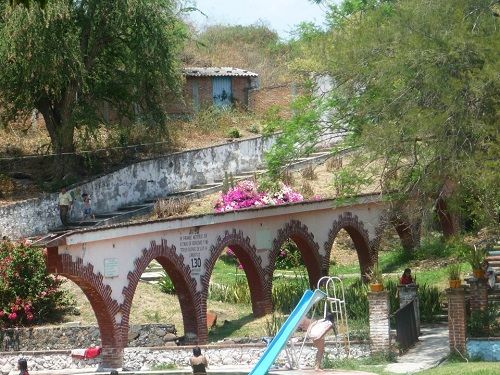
x=166 y=284
x=287 y=292
x=237 y=292
x=28 y=293
x=233 y=133
x=484 y=323
x=356 y=301
x=289 y=257
x=429 y=299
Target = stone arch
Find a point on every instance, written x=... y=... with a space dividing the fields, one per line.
x=193 y=314
x=308 y=248
x=260 y=286
x=113 y=336
x=359 y=235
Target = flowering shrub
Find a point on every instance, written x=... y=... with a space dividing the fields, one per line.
x=246 y=194
x=289 y=257
x=28 y=294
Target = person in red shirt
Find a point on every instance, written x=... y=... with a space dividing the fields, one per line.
x=406 y=278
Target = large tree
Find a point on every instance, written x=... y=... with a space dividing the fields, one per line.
x=415 y=93
x=67 y=58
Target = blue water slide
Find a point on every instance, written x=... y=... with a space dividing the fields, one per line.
x=287 y=329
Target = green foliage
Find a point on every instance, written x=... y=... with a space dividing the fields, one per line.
x=164 y=366
x=28 y=294
x=474 y=255
x=273 y=324
x=287 y=292
x=356 y=301
x=415 y=92
x=233 y=133
x=375 y=275
x=166 y=284
x=124 y=54
x=429 y=299
x=454 y=271
x=289 y=257
x=235 y=292
x=484 y=323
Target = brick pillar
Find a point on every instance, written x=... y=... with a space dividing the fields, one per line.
x=456 y=319
x=378 y=305
x=112 y=358
x=406 y=294
x=478 y=294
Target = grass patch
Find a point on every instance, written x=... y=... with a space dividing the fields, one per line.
x=471 y=368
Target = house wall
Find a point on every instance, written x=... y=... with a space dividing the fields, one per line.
x=240 y=87
x=262 y=99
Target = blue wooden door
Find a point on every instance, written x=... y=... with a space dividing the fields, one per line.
x=221 y=91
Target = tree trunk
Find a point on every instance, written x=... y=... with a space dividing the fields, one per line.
x=61 y=132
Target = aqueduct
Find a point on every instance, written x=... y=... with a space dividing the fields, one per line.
x=107 y=262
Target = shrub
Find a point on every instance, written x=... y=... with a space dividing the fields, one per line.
x=28 y=293
x=246 y=194
x=233 y=133
x=356 y=301
x=429 y=299
x=288 y=291
x=273 y=324
x=166 y=284
x=289 y=257
x=484 y=323
x=307 y=190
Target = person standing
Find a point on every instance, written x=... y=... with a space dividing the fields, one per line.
x=65 y=203
x=317 y=332
x=198 y=362
x=22 y=366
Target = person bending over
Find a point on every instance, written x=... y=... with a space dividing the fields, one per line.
x=198 y=362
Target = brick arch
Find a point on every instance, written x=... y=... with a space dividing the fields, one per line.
x=260 y=286
x=193 y=315
x=309 y=249
x=359 y=235
x=104 y=306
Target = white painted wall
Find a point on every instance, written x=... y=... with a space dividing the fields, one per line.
x=136 y=183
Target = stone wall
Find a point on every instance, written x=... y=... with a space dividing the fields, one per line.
x=146 y=358
x=137 y=183
x=63 y=338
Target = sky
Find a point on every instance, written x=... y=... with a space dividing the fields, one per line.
x=279 y=15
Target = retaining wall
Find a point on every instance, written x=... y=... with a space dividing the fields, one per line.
x=64 y=337
x=137 y=183
x=147 y=358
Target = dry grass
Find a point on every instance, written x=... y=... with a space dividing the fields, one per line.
x=170 y=207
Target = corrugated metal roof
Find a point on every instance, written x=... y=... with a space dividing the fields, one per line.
x=224 y=71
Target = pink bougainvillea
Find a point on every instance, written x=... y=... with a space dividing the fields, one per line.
x=246 y=194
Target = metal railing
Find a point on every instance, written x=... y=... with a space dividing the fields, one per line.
x=406 y=325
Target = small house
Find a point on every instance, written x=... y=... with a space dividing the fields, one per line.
x=220 y=87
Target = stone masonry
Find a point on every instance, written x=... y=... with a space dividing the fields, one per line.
x=378 y=303
x=457 y=319
x=63 y=338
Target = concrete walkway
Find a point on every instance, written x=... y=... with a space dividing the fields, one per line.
x=429 y=352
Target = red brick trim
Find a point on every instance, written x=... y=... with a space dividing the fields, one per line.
x=309 y=249
x=359 y=236
x=260 y=286
x=193 y=314
x=104 y=306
